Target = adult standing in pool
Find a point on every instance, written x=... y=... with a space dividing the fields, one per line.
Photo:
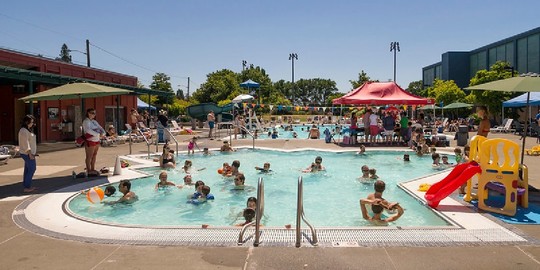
x=483 y=127
x=93 y=133
x=314 y=132
x=211 y=122
x=28 y=149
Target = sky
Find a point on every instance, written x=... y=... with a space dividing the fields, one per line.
x=192 y=38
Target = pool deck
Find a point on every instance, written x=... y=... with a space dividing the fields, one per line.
x=20 y=249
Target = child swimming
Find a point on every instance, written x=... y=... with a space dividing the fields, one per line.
x=265 y=168
x=163 y=182
x=187 y=166
x=373 y=174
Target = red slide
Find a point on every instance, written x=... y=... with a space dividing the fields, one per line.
x=457 y=177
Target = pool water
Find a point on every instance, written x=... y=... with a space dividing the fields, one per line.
x=331 y=198
x=301 y=130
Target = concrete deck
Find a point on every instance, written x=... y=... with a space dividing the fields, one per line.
x=20 y=249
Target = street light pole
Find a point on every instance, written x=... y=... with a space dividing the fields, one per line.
x=244 y=65
x=292 y=57
x=394 y=46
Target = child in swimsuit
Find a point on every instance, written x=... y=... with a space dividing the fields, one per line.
x=191 y=145
x=163 y=182
x=265 y=168
x=187 y=166
x=373 y=174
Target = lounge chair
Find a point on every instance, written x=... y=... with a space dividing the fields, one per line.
x=175 y=129
x=4 y=155
x=503 y=128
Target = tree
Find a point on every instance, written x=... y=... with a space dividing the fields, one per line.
x=446 y=92
x=161 y=82
x=491 y=99
x=416 y=88
x=313 y=91
x=332 y=97
x=362 y=78
x=219 y=85
x=180 y=94
x=178 y=107
x=284 y=88
x=64 y=54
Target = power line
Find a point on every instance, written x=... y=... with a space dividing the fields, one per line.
x=40 y=27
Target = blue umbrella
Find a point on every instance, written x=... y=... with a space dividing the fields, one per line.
x=250 y=84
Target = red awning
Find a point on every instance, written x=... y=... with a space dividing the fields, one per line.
x=381 y=93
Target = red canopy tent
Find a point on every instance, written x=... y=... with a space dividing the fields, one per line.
x=381 y=93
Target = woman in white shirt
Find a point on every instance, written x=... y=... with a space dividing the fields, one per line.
x=93 y=133
x=28 y=149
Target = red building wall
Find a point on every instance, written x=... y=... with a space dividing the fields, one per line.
x=47 y=130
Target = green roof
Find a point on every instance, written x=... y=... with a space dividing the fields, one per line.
x=55 y=79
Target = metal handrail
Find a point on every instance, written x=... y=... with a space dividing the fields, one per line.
x=249 y=133
x=171 y=136
x=260 y=213
x=145 y=139
x=300 y=214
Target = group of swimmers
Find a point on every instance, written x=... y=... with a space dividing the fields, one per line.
x=124 y=186
x=202 y=191
x=378 y=205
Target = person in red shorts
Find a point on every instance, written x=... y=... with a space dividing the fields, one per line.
x=93 y=133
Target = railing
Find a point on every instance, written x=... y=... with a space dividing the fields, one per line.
x=258 y=216
x=300 y=214
x=145 y=139
x=174 y=139
x=248 y=132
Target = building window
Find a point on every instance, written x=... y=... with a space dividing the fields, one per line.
x=533 y=53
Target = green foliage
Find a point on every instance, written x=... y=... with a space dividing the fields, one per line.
x=180 y=94
x=362 y=78
x=416 y=88
x=313 y=91
x=219 y=85
x=178 y=107
x=446 y=92
x=492 y=99
x=332 y=97
x=152 y=100
x=161 y=82
x=224 y=102
x=64 y=54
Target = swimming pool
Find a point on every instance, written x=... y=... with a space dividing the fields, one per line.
x=330 y=198
x=301 y=130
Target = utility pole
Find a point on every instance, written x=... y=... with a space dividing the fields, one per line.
x=88 y=53
x=292 y=57
x=394 y=46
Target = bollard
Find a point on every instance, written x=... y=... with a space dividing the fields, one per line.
x=117 y=167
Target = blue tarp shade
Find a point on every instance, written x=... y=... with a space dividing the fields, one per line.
x=143 y=105
x=521 y=101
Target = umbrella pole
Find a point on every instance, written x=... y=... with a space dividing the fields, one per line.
x=525 y=130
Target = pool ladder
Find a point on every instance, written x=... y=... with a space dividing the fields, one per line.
x=248 y=132
x=300 y=215
x=170 y=136
x=257 y=222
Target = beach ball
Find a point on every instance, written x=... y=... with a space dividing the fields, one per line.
x=220 y=171
x=95 y=195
